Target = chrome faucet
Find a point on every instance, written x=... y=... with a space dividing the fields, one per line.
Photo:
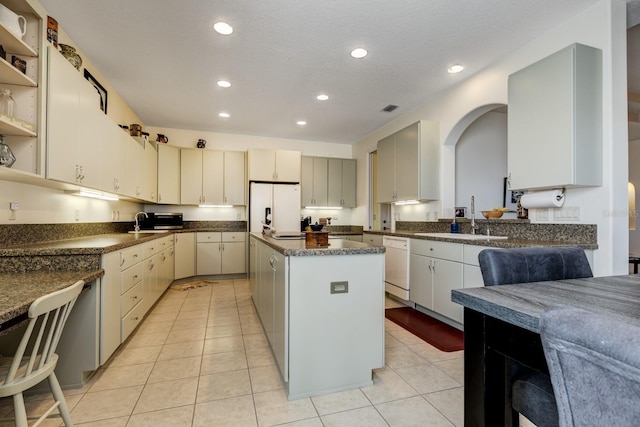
x=474 y=226
x=136 y=228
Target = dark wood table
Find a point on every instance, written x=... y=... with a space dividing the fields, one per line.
x=501 y=334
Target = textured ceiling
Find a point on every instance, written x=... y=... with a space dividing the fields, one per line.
x=164 y=59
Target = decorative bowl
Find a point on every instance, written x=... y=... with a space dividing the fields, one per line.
x=316 y=227
x=492 y=214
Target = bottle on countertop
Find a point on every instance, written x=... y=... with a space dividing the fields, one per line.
x=455 y=227
x=522 y=213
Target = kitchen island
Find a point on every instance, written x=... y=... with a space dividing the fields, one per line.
x=322 y=309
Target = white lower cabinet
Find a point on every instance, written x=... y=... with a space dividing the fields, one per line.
x=220 y=253
x=134 y=279
x=185 y=255
x=435 y=268
x=372 y=239
x=472 y=273
x=132 y=289
x=110 y=305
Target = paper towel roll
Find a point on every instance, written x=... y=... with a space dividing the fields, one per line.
x=543 y=199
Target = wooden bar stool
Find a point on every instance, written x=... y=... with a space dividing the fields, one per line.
x=35 y=358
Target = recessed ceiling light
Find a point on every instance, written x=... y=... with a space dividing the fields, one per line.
x=301 y=123
x=224 y=115
x=322 y=97
x=224 y=83
x=455 y=69
x=223 y=28
x=359 y=53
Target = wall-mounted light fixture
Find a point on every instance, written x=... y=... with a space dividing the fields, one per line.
x=406 y=202
x=215 y=206
x=323 y=207
x=93 y=194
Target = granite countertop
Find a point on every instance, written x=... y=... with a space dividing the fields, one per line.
x=521 y=304
x=336 y=247
x=95 y=245
x=19 y=290
x=498 y=243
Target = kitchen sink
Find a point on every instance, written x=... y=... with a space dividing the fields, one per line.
x=149 y=231
x=462 y=236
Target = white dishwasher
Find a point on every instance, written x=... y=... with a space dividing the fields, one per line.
x=396 y=273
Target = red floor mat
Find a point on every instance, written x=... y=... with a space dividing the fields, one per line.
x=433 y=331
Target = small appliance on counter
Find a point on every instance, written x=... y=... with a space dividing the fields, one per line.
x=304 y=223
x=162 y=221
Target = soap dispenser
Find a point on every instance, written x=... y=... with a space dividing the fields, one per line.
x=455 y=227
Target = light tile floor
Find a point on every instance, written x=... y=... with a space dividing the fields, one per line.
x=201 y=358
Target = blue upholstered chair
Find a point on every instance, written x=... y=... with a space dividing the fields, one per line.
x=532 y=393
x=594 y=362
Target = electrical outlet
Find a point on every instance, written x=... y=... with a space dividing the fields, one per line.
x=77 y=214
x=238 y=215
x=13 y=207
x=542 y=214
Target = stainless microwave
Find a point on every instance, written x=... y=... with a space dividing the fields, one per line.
x=162 y=221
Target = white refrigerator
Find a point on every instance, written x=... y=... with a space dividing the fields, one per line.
x=277 y=205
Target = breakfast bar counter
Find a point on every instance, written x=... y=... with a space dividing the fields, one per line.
x=19 y=290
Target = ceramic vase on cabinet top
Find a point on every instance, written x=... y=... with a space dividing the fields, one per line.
x=70 y=53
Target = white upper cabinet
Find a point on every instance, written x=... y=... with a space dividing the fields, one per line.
x=190 y=177
x=555 y=121
x=84 y=146
x=408 y=164
x=274 y=165
x=212 y=177
x=150 y=190
x=342 y=183
x=328 y=182
x=314 y=181
x=75 y=151
x=63 y=103
x=235 y=178
x=168 y=174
